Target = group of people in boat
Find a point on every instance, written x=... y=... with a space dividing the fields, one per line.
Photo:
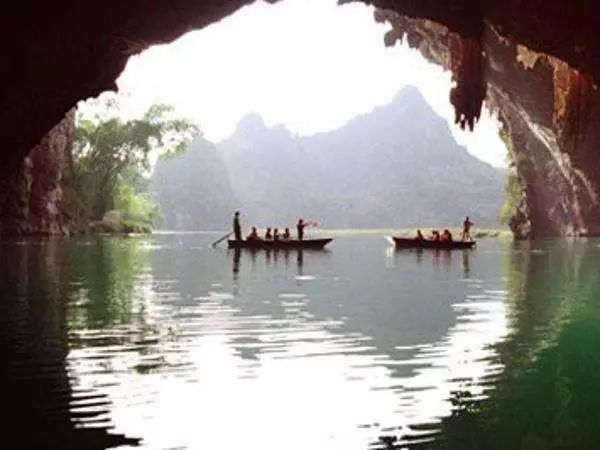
x=446 y=235
x=271 y=234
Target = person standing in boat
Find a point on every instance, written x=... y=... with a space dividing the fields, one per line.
x=237 y=228
x=466 y=233
x=300 y=228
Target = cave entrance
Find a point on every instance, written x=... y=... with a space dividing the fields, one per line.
x=304 y=111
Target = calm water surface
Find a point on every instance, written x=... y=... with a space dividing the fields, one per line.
x=164 y=342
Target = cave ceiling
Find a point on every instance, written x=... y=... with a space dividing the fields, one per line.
x=57 y=53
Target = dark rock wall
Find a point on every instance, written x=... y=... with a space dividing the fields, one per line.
x=552 y=121
x=549 y=110
x=565 y=30
x=32 y=200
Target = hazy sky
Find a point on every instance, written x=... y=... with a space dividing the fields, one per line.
x=309 y=64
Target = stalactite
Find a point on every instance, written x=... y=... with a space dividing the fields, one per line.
x=467 y=95
x=462 y=56
x=572 y=93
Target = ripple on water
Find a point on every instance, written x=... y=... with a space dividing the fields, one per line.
x=183 y=357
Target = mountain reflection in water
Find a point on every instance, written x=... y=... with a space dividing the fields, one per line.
x=163 y=342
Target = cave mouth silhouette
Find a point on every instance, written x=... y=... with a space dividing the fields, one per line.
x=47 y=63
x=537 y=67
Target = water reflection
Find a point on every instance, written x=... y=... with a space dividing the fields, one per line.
x=271 y=258
x=237 y=253
x=465 y=263
x=436 y=256
x=300 y=262
x=43 y=408
x=546 y=396
x=184 y=346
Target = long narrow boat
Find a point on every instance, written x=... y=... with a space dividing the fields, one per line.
x=400 y=242
x=313 y=244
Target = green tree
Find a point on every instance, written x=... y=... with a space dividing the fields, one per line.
x=136 y=207
x=110 y=153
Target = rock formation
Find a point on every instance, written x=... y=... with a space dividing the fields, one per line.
x=395 y=166
x=550 y=115
x=60 y=52
x=32 y=200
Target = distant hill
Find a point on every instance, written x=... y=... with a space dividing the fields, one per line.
x=397 y=166
x=193 y=190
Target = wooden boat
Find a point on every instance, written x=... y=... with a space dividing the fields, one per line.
x=400 y=242
x=312 y=244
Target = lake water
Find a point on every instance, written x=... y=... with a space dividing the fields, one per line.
x=163 y=342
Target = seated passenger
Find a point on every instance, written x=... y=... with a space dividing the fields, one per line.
x=419 y=236
x=253 y=236
x=268 y=235
x=286 y=235
x=446 y=236
x=435 y=235
x=276 y=234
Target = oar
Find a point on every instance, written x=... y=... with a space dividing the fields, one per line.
x=220 y=239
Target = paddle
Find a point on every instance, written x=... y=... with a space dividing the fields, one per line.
x=221 y=239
